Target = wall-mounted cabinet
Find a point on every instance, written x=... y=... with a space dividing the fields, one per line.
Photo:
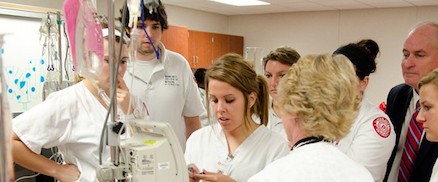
x=200 y=48
x=175 y=38
x=236 y=44
x=221 y=45
x=205 y=47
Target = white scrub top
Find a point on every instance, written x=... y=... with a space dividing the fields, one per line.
x=371 y=140
x=316 y=162
x=207 y=149
x=275 y=123
x=71 y=119
x=434 y=176
x=170 y=93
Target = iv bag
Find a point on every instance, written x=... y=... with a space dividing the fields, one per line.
x=89 y=42
x=85 y=37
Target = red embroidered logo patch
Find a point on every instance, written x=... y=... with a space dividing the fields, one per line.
x=382 y=127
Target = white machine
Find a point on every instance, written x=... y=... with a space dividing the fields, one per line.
x=151 y=154
x=151 y=151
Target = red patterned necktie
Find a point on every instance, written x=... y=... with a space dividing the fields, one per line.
x=413 y=139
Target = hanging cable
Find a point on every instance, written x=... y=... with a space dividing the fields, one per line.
x=67 y=76
x=157 y=53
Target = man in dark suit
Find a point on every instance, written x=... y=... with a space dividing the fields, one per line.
x=420 y=56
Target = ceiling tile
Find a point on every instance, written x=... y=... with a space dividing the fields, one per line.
x=386 y=3
x=342 y=4
x=306 y=6
x=423 y=2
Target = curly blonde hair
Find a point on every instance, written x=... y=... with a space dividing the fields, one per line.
x=322 y=90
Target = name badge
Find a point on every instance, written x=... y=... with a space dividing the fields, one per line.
x=171 y=80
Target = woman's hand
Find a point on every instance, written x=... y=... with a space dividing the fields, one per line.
x=67 y=173
x=193 y=169
x=207 y=176
x=123 y=96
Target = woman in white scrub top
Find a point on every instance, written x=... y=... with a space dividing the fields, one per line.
x=318 y=107
x=236 y=147
x=428 y=114
x=372 y=137
x=276 y=64
x=71 y=119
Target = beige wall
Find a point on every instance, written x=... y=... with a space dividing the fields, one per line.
x=53 y=4
x=310 y=32
x=389 y=28
x=196 y=20
x=323 y=32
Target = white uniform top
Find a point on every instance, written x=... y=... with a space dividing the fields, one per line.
x=316 y=162
x=275 y=123
x=204 y=116
x=207 y=149
x=71 y=119
x=202 y=96
x=171 y=92
x=371 y=140
x=434 y=176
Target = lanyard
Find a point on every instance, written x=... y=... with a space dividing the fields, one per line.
x=307 y=140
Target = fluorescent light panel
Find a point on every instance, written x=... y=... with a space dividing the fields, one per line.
x=242 y=2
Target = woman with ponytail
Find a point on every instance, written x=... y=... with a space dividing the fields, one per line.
x=235 y=147
x=372 y=137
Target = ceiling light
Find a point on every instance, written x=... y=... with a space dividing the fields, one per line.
x=242 y=2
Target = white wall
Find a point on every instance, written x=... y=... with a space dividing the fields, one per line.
x=197 y=20
x=309 y=32
x=53 y=4
x=323 y=32
x=193 y=19
x=389 y=28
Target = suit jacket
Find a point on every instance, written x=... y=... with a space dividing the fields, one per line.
x=397 y=105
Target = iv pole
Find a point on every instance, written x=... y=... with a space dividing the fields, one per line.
x=113 y=75
x=58 y=22
x=4 y=163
